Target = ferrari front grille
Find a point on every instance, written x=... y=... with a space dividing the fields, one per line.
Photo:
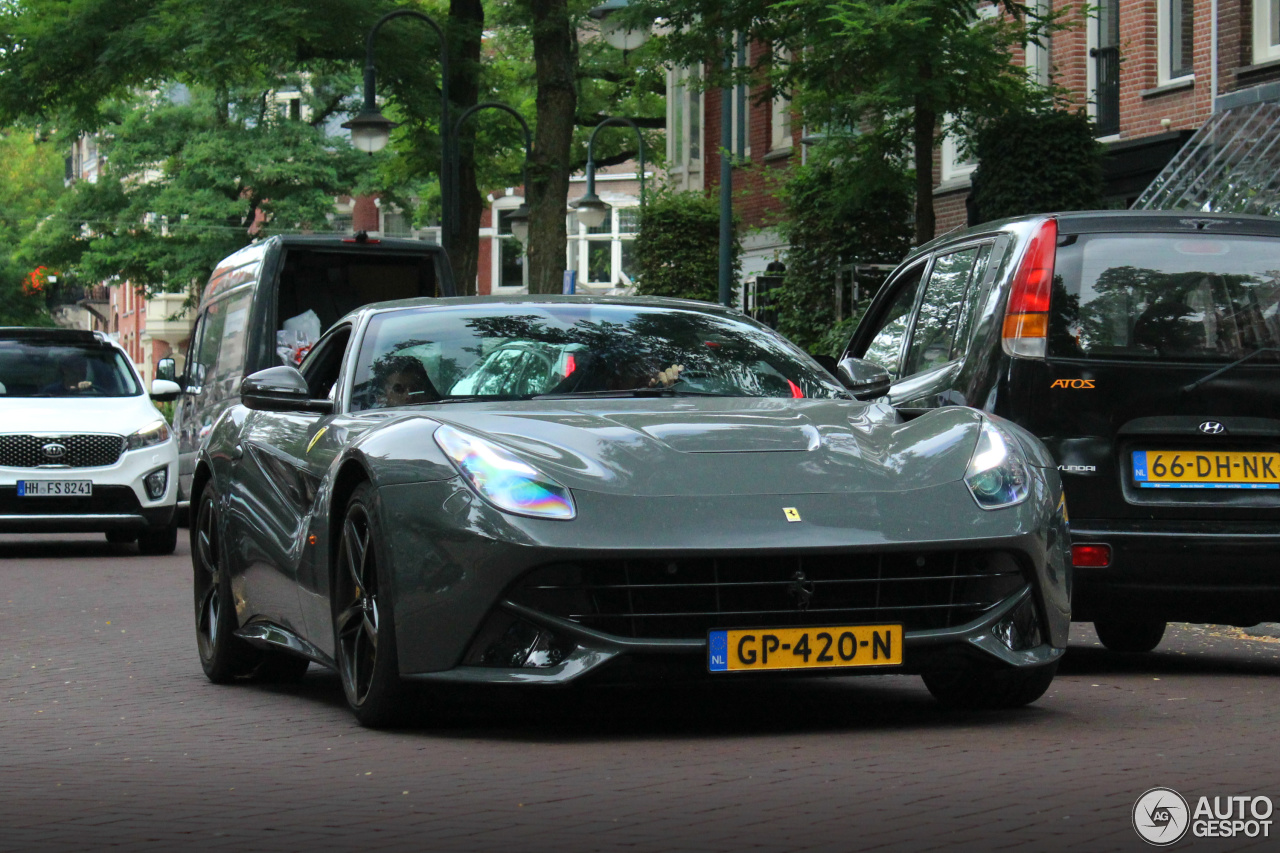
x=85 y=450
x=685 y=598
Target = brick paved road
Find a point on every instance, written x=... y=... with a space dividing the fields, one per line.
x=110 y=736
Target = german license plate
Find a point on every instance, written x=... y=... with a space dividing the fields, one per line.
x=804 y=648
x=1193 y=469
x=54 y=488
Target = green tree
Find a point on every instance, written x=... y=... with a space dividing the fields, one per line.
x=30 y=183
x=899 y=68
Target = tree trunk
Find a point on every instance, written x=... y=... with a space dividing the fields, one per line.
x=555 y=52
x=466 y=26
x=924 y=123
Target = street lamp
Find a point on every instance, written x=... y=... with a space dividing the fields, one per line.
x=613 y=30
x=371 y=130
x=592 y=210
x=519 y=218
x=607 y=11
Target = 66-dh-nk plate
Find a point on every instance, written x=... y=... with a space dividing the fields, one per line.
x=804 y=648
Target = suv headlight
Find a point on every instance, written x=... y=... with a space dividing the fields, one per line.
x=504 y=480
x=997 y=475
x=149 y=435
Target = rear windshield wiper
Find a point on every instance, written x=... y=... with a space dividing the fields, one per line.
x=1194 y=385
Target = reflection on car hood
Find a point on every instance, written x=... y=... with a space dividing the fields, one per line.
x=727 y=446
x=67 y=415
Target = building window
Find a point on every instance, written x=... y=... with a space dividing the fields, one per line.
x=508 y=254
x=684 y=118
x=957 y=162
x=1039 y=58
x=780 y=114
x=1104 y=67
x=603 y=255
x=1266 y=30
x=396 y=224
x=1176 y=40
x=740 y=107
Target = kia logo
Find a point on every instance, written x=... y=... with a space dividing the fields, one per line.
x=1212 y=428
x=54 y=451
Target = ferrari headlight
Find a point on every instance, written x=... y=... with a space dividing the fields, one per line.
x=997 y=475
x=151 y=434
x=503 y=479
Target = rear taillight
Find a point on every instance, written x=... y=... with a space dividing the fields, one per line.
x=1026 y=320
x=1091 y=556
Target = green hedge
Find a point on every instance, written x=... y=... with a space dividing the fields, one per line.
x=678 y=248
x=1036 y=162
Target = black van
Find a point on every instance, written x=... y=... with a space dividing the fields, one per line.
x=269 y=302
x=1144 y=350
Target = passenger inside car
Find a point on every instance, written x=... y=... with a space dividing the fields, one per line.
x=406 y=383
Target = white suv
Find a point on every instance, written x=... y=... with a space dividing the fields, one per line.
x=82 y=448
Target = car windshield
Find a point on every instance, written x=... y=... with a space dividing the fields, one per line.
x=32 y=368
x=1201 y=298
x=515 y=350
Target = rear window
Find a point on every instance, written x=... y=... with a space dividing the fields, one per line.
x=1173 y=297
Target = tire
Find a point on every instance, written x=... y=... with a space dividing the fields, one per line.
x=973 y=688
x=121 y=537
x=1131 y=636
x=158 y=542
x=363 y=622
x=223 y=656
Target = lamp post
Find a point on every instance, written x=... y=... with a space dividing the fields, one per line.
x=612 y=32
x=371 y=130
x=519 y=217
x=590 y=209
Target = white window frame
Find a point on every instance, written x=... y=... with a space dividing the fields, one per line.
x=953 y=168
x=1164 y=32
x=687 y=171
x=780 y=116
x=504 y=203
x=1038 y=59
x=1263 y=49
x=579 y=247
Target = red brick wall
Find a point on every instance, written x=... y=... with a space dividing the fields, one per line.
x=484 y=264
x=757 y=182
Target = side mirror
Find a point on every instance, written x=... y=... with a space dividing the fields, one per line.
x=280 y=389
x=167 y=368
x=865 y=380
x=165 y=390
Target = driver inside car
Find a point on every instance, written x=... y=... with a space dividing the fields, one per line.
x=73 y=376
x=406 y=383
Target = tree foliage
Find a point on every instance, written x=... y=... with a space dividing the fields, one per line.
x=677 y=250
x=850 y=204
x=30 y=182
x=1037 y=162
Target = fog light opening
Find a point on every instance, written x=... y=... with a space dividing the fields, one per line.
x=1020 y=630
x=1091 y=556
x=156 y=482
x=508 y=641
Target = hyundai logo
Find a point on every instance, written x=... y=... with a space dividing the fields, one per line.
x=1212 y=428
x=54 y=451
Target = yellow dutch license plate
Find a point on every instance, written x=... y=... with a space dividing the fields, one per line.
x=1195 y=469
x=804 y=648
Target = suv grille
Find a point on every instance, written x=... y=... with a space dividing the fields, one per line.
x=78 y=451
x=681 y=598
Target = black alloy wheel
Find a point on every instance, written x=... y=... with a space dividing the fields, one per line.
x=1131 y=636
x=974 y=688
x=224 y=656
x=363 y=624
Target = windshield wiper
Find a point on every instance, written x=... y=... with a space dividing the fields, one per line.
x=629 y=392
x=477 y=398
x=1194 y=385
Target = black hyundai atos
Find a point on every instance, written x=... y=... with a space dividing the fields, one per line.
x=1144 y=349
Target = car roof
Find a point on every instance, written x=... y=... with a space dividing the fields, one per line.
x=1119 y=221
x=37 y=334
x=545 y=299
